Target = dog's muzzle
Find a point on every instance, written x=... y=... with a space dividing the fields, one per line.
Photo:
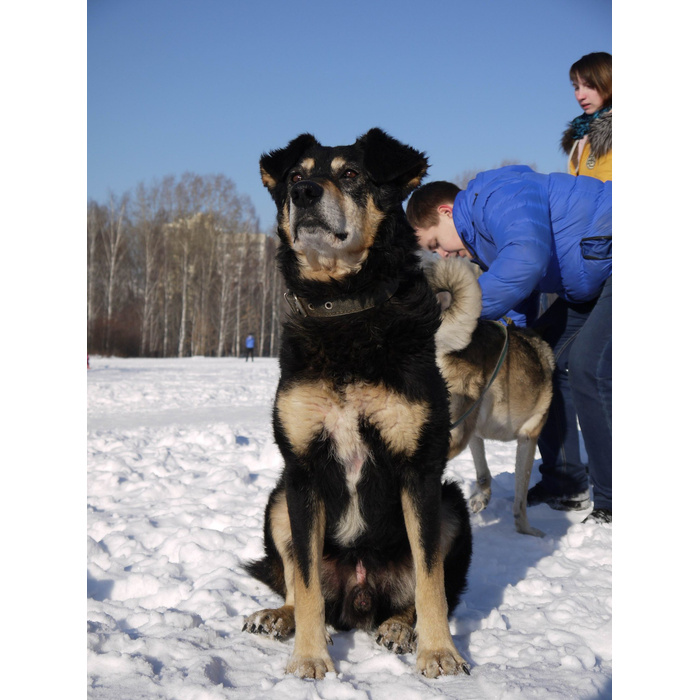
x=306 y=193
x=311 y=218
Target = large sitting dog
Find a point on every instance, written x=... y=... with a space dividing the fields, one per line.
x=360 y=531
x=516 y=404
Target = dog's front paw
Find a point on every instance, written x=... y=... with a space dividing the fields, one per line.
x=306 y=667
x=397 y=637
x=441 y=662
x=277 y=622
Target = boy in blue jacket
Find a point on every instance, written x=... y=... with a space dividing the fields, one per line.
x=532 y=233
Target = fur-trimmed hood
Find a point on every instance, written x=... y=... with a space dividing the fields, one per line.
x=599 y=136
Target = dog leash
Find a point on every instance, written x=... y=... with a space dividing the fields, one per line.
x=501 y=359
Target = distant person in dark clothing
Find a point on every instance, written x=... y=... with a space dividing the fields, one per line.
x=250 y=347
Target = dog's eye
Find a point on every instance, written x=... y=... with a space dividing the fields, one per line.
x=349 y=174
x=296 y=177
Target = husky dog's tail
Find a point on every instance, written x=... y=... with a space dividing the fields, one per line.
x=456 y=287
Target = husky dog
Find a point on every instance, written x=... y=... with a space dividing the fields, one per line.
x=514 y=406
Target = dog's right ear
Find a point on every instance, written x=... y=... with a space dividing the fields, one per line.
x=275 y=165
x=390 y=161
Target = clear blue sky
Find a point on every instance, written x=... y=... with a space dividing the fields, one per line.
x=207 y=86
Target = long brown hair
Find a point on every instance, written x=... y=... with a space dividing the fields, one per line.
x=595 y=69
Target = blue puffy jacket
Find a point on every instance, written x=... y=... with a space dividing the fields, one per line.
x=533 y=233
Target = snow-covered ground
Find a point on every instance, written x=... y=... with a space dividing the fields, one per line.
x=180 y=463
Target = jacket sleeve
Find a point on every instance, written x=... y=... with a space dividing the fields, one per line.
x=525 y=313
x=515 y=217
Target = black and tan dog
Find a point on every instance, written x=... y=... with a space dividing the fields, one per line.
x=514 y=406
x=360 y=531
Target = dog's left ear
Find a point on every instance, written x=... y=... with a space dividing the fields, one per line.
x=389 y=161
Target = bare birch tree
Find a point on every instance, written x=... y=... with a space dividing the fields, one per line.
x=95 y=222
x=149 y=219
x=226 y=276
x=114 y=244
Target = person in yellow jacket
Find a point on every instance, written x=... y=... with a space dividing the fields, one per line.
x=588 y=143
x=588 y=138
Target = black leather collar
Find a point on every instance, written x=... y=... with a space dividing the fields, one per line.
x=328 y=308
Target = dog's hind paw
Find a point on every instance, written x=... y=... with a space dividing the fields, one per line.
x=397 y=637
x=441 y=662
x=529 y=530
x=478 y=501
x=524 y=528
x=277 y=622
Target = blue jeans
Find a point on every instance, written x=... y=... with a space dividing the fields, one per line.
x=581 y=337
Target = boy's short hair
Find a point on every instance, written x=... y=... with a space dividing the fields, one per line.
x=421 y=209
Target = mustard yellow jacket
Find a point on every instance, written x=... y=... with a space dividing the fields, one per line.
x=591 y=156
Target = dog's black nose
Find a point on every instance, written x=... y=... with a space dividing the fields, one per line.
x=306 y=193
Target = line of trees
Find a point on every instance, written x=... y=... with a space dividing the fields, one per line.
x=179 y=268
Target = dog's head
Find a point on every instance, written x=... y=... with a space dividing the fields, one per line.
x=332 y=201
